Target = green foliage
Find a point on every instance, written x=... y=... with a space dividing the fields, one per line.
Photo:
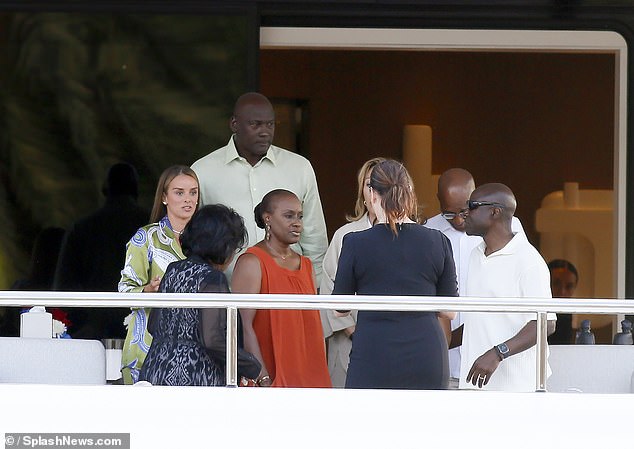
x=83 y=91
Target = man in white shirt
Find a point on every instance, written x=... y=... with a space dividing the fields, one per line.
x=454 y=189
x=239 y=174
x=498 y=349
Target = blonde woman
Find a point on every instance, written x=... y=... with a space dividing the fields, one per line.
x=338 y=330
x=148 y=254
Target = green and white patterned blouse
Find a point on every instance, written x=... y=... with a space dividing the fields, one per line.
x=148 y=254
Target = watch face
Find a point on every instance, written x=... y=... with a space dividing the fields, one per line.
x=504 y=350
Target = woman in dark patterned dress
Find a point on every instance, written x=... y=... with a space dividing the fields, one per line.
x=188 y=346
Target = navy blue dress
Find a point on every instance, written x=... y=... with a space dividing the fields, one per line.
x=405 y=350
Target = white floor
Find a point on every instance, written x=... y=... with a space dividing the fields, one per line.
x=163 y=417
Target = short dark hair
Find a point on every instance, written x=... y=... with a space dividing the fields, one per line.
x=214 y=233
x=562 y=263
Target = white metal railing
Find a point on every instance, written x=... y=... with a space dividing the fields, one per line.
x=232 y=302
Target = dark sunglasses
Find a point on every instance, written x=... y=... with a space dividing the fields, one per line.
x=475 y=204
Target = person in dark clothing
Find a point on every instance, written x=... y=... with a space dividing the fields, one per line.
x=93 y=253
x=189 y=345
x=563 y=283
x=44 y=255
x=397 y=256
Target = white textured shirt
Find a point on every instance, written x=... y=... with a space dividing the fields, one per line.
x=461 y=245
x=228 y=178
x=515 y=271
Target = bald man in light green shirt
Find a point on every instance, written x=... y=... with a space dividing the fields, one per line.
x=239 y=174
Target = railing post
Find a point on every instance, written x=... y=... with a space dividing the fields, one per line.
x=232 y=347
x=541 y=349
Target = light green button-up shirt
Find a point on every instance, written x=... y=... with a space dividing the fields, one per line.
x=227 y=178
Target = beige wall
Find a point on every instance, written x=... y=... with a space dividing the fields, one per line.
x=531 y=121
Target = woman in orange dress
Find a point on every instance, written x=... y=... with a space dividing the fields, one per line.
x=289 y=343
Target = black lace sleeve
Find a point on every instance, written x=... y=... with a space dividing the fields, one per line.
x=214 y=329
x=214 y=320
x=214 y=282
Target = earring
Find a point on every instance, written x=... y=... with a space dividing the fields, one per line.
x=364 y=203
x=165 y=203
x=267 y=231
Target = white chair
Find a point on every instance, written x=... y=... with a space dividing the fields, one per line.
x=591 y=368
x=52 y=361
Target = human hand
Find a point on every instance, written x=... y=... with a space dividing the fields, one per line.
x=264 y=381
x=446 y=315
x=153 y=286
x=245 y=382
x=483 y=368
x=349 y=331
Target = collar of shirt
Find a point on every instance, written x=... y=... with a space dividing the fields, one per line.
x=168 y=237
x=232 y=154
x=165 y=226
x=510 y=248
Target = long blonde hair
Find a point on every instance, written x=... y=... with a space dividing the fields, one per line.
x=159 y=210
x=391 y=180
x=359 y=207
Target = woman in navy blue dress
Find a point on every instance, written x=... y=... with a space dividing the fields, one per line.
x=397 y=257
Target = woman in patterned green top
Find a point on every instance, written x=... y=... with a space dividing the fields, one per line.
x=148 y=254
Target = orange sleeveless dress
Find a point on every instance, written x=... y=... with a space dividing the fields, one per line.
x=291 y=341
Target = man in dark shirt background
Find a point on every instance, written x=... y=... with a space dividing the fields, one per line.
x=93 y=254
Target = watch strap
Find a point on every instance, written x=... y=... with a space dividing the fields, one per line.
x=502 y=350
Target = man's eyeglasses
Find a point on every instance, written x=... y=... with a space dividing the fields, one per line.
x=472 y=205
x=450 y=215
